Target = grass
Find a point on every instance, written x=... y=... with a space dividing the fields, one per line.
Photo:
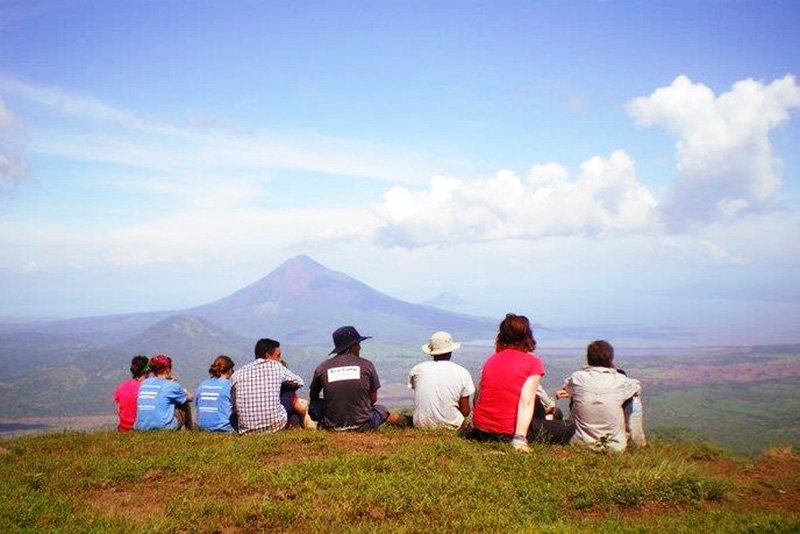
x=393 y=480
x=741 y=416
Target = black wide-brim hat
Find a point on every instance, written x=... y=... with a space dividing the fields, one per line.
x=344 y=338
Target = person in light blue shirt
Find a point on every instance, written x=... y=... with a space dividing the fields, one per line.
x=213 y=398
x=162 y=404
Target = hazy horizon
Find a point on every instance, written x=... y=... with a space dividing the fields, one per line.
x=631 y=166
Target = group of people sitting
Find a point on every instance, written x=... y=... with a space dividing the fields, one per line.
x=510 y=404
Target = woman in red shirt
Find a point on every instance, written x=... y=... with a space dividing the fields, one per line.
x=505 y=404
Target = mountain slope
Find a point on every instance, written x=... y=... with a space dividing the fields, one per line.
x=105 y=329
x=84 y=384
x=303 y=302
x=74 y=365
x=25 y=352
x=187 y=337
x=300 y=302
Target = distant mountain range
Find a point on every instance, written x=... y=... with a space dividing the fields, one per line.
x=300 y=302
x=59 y=366
x=303 y=302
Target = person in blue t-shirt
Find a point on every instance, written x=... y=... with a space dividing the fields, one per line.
x=162 y=404
x=213 y=398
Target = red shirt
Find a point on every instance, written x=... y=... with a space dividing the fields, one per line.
x=502 y=378
x=125 y=396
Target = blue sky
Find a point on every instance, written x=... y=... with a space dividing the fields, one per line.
x=630 y=164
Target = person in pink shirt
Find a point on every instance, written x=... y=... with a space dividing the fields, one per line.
x=127 y=392
x=504 y=409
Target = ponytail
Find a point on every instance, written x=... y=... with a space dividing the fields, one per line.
x=221 y=365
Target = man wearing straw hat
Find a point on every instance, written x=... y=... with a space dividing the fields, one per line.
x=441 y=388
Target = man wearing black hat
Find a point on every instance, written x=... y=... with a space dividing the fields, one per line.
x=349 y=385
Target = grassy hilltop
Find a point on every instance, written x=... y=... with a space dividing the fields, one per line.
x=393 y=480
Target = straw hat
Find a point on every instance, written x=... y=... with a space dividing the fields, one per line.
x=440 y=343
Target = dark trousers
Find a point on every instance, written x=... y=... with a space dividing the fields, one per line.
x=540 y=431
x=556 y=432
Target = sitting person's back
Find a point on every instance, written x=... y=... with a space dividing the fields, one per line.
x=213 y=398
x=441 y=388
x=506 y=401
x=349 y=386
x=256 y=390
x=127 y=393
x=162 y=403
x=598 y=392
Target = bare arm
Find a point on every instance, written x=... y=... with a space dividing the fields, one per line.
x=373 y=397
x=463 y=406
x=566 y=389
x=525 y=406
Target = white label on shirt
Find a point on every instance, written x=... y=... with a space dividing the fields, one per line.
x=350 y=372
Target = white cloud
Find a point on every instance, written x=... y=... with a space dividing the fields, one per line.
x=724 y=159
x=30 y=267
x=7 y=121
x=221 y=175
x=723 y=152
x=82 y=107
x=101 y=132
x=204 y=233
x=13 y=169
x=606 y=198
x=200 y=235
x=720 y=254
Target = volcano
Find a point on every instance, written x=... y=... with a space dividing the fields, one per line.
x=302 y=302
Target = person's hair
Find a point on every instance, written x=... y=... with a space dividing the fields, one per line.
x=515 y=332
x=139 y=366
x=160 y=363
x=221 y=365
x=600 y=354
x=265 y=346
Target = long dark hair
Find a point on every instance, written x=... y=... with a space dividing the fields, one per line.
x=515 y=332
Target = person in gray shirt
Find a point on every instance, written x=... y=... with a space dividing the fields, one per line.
x=598 y=392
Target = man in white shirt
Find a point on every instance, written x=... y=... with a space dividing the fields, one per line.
x=441 y=388
x=598 y=392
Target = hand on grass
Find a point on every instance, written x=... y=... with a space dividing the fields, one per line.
x=520 y=444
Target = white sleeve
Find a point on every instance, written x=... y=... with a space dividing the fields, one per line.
x=468 y=386
x=630 y=388
x=411 y=375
